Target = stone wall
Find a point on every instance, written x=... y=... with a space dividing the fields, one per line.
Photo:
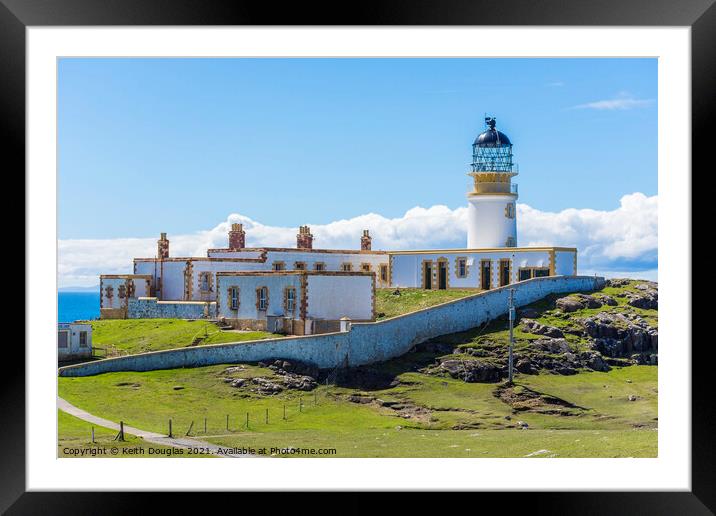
x=150 y=308
x=365 y=343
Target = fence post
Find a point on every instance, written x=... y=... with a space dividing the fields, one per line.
x=204 y=425
x=300 y=403
x=92 y=434
x=267 y=416
x=121 y=430
x=170 y=428
x=227 y=421
x=247 y=420
x=284 y=412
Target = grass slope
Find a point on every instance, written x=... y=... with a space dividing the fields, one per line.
x=130 y=336
x=412 y=299
x=459 y=419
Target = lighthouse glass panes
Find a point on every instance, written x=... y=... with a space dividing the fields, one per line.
x=492 y=151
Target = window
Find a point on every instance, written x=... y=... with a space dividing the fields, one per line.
x=319 y=266
x=510 y=210
x=83 y=339
x=384 y=273
x=541 y=272
x=365 y=267
x=510 y=242
x=233 y=298
x=300 y=266
x=262 y=299
x=461 y=267
x=62 y=339
x=346 y=267
x=290 y=299
x=122 y=291
x=205 y=281
x=525 y=273
x=279 y=266
x=109 y=291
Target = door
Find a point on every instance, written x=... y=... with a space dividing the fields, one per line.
x=504 y=272
x=428 y=275
x=442 y=275
x=485 y=273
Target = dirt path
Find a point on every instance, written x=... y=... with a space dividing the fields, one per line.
x=151 y=437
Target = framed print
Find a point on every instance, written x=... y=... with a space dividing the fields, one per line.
x=418 y=249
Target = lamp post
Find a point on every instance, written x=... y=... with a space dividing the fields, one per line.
x=512 y=323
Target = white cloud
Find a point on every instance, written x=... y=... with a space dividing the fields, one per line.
x=623 y=240
x=622 y=101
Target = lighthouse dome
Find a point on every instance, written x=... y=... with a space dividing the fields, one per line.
x=492 y=138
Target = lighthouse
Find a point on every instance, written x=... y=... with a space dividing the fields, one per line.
x=492 y=213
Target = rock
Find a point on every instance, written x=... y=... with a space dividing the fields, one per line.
x=536 y=328
x=525 y=366
x=632 y=397
x=522 y=424
x=299 y=382
x=617 y=282
x=528 y=313
x=359 y=398
x=607 y=300
x=569 y=304
x=266 y=386
x=589 y=301
x=234 y=369
x=553 y=346
x=238 y=382
x=472 y=371
x=177 y=387
x=594 y=361
x=566 y=371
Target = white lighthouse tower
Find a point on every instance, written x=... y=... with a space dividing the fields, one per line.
x=492 y=213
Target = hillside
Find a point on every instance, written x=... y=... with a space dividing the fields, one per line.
x=583 y=389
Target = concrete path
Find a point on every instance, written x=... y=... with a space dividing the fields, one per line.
x=151 y=437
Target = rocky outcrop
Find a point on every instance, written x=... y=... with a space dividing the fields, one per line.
x=471 y=371
x=535 y=328
x=620 y=335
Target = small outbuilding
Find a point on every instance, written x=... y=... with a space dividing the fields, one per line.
x=74 y=340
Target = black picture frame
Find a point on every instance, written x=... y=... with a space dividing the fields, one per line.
x=700 y=15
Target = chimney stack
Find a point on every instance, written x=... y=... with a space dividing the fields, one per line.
x=163 y=247
x=304 y=239
x=365 y=241
x=237 y=237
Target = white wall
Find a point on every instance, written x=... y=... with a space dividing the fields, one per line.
x=487 y=224
x=276 y=283
x=333 y=297
x=564 y=263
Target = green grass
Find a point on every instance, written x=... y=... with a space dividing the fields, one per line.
x=131 y=336
x=75 y=441
x=408 y=442
x=455 y=412
x=412 y=299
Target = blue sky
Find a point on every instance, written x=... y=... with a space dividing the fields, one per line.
x=175 y=145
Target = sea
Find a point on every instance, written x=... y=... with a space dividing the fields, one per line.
x=77 y=306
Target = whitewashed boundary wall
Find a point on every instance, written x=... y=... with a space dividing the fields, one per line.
x=364 y=343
